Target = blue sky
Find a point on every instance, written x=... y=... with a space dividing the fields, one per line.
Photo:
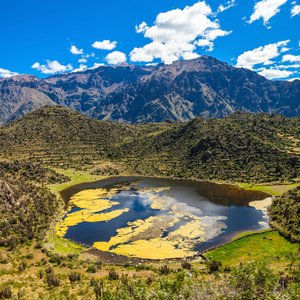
x=49 y=37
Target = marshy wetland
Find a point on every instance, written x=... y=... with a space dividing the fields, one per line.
x=158 y=218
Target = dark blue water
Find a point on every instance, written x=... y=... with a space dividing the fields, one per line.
x=209 y=200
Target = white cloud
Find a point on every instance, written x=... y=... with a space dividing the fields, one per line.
x=52 y=67
x=261 y=55
x=295 y=10
x=265 y=10
x=115 y=58
x=206 y=44
x=291 y=58
x=295 y=66
x=81 y=68
x=189 y=55
x=275 y=73
x=174 y=34
x=7 y=73
x=97 y=65
x=74 y=50
x=105 y=45
x=82 y=60
x=228 y=5
x=211 y=35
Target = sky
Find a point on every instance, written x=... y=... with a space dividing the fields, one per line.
x=44 y=38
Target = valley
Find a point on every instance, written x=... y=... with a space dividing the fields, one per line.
x=54 y=153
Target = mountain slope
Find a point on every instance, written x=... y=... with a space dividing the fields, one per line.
x=241 y=147
x=183 y=90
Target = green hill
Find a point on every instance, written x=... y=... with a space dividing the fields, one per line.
x=284 y=214
x=241 y=147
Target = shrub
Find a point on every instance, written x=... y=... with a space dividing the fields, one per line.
x=49 y=270
x=98 y=287
x=22 y=266
x=91 y=269
x=164 y=270
x=29 y=256
x=5 y=293
x=74 y=277
x=52 y=280
x=113 y=275
x=186 y=265
x=214 y=266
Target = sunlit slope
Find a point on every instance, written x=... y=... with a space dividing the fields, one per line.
x=242 y=147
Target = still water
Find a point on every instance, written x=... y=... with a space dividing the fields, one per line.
x=159 y=218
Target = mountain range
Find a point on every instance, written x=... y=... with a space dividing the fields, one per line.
x=204 y=87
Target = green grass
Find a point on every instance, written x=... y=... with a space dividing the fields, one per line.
x=274 y=190
x=62 y=246
x=76 y=178
x=267 y=245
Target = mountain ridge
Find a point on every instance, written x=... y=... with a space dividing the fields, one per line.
x=204 y=87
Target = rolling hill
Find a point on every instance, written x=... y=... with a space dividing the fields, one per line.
x=240 y=147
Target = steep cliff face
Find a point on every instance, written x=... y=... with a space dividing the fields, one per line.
x=181 y=91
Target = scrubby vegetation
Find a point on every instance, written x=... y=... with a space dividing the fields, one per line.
x=284 y=214
x=30 y=171
x=241 y=147
x=52 y=277
x=26 y=206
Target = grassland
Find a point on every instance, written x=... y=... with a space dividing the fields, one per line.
x=76 y=177
x=264 y=246
x=272 y=189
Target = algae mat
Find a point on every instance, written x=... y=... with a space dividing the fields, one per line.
x=156 y=218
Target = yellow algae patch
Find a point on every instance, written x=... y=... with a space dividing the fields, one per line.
x=91 y=202
x=94 y=200
x=152 y=227
x=80 y=216
x=157 y=248
x=106 y=216
x=191 y=230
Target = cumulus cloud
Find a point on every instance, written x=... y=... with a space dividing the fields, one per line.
x=115 y=58
x=275 y=73
x=105 y=45
x=74 y=50
x=4 y=73
x=295 y=10
x=265 y=10
x=261 y=55
x=176 y=34
x=291 y=58
x=52 y=67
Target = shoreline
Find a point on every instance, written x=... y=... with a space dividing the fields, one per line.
x=110 y=257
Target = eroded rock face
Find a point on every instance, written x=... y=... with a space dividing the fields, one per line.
x=200 y=87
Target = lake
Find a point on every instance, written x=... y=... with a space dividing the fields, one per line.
x=158 y=218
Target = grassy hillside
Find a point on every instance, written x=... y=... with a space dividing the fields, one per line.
x=27 y=207
x=243 y=147
x=284 y=214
